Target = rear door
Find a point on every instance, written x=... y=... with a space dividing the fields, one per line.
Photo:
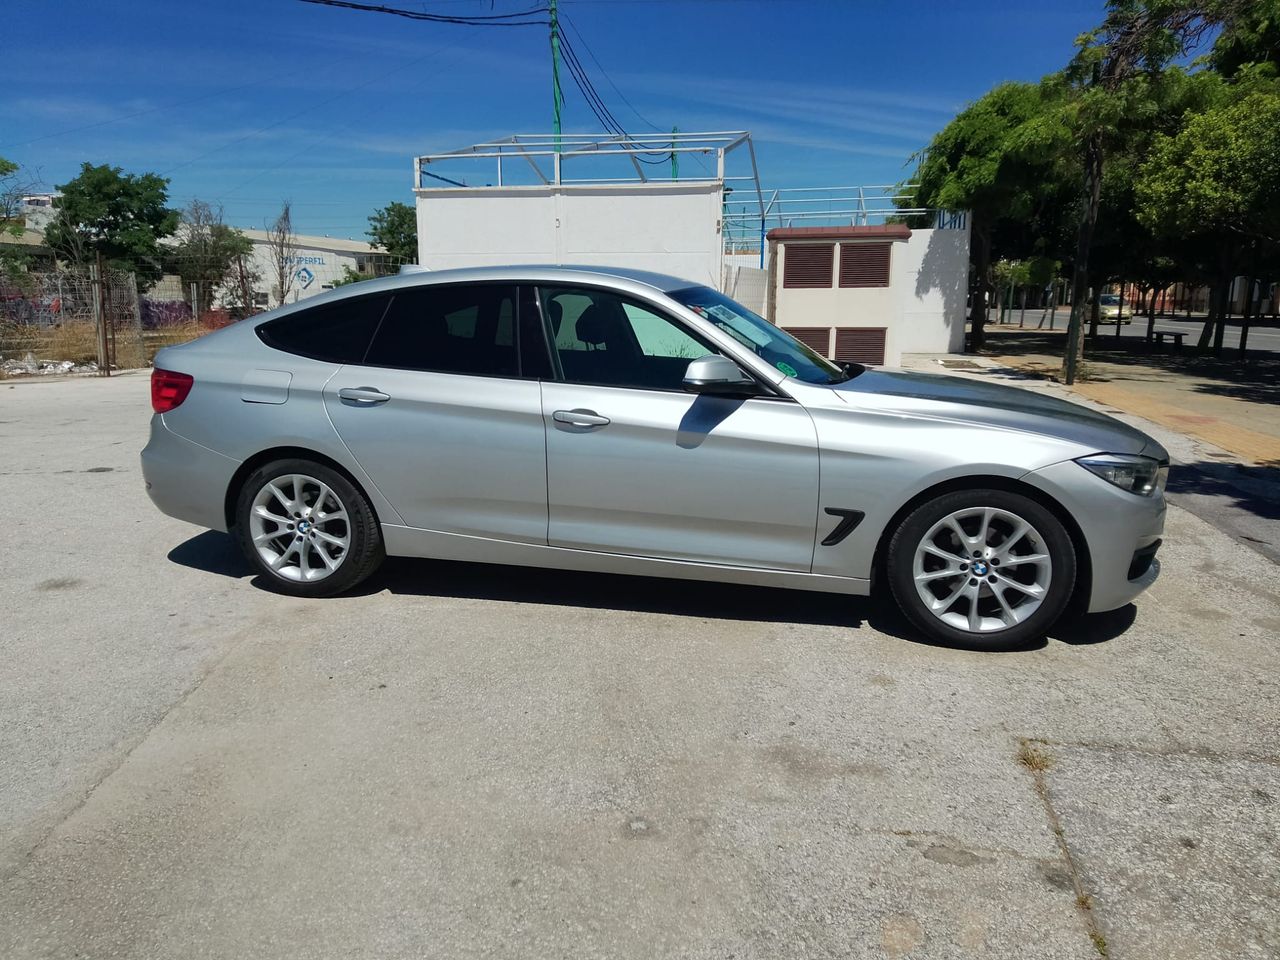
x=445 y=415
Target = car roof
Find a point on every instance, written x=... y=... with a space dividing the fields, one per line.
x=621 y=278
x=528 y=273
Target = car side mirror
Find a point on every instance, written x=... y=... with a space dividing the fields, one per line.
x=718 y=375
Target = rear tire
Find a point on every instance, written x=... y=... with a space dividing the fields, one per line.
x=307 y=529
x=985 y=569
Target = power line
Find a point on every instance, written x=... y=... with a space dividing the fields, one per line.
x=591 y=53
x=598 y=106
x=480 y=20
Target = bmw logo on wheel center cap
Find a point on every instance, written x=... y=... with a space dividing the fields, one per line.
x=980 y=568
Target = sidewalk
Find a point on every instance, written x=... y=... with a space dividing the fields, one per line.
x=1217 y=401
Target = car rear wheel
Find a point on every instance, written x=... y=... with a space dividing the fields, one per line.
x=987 y=569
x=307 y=529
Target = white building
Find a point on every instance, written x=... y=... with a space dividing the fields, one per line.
x=691 y=205
x=871 y=293
x=37 y=210
x=316 y=264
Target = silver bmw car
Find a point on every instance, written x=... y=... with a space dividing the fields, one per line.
x=629 y=422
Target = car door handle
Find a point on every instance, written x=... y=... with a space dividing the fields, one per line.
x=362 y=396
x=580 y=418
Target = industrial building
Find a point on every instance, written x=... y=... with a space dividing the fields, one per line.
x=316 y=264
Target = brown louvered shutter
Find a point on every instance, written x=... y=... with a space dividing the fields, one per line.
x=860 y=344
x=808 y=264
x=864 y=264
x=815 y=338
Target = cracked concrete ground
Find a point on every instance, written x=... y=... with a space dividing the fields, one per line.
x=482 y=762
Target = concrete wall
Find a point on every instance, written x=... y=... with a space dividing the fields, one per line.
x=748 y=285
x=922 y=307
x=670 y=228
x=930 y=297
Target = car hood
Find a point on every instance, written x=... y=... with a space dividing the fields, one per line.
x=992 y=404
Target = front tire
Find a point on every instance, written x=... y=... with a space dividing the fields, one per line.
x=307 y=529
x=986 y=569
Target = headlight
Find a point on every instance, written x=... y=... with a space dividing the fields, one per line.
x=1141 y=475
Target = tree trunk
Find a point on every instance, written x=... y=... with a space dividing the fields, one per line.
x=1080 y=269
x=1224 y=303
x=1151 y=312
x=978 y=310
x=1212 y=311
x=1248 y=302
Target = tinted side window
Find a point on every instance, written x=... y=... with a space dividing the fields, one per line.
x=463 y=329
x=337 y=332
x=602 y=338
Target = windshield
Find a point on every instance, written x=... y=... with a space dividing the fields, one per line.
x=771 y=344
x=1109 y=300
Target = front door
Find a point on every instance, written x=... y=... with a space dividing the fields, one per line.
x=444 y=416
x=638 y=466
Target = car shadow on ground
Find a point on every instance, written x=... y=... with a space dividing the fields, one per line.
x=217 y=553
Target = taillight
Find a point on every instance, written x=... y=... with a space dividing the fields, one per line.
x=169 y=389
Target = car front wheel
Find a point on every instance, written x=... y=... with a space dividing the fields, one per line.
x=307 y=529
x=988 y=569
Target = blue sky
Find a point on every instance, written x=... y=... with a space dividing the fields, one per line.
x=245 y=104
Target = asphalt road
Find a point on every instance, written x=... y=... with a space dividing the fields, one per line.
x=1261 y=338
x=466 y=761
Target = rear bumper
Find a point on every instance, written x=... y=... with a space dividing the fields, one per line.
x=184 y=479
x=1121 y=530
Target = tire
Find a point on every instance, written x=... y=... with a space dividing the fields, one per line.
x=1023 y=578
x=307 y=529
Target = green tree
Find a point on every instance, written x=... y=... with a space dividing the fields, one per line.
x=1218 y=179
x=1108 y=90
x=120 y=217
x=207 y=252
x=12 y=261
x=1250 y=40
x=975 y=164
x=349 y=276
x=394 y=228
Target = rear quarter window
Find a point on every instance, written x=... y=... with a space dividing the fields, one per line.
x=336 y=332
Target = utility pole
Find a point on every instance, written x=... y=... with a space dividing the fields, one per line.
x=675 y=160
x=557 y=98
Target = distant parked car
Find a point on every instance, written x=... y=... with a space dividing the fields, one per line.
x=1112 y=309
x=627 y=422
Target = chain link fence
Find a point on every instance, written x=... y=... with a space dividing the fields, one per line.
x=69 y=321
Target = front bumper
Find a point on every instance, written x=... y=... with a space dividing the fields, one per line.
x=1119 y=528
x=184 y=479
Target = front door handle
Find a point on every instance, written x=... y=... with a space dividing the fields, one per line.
x=580 y=418
x=362 y=396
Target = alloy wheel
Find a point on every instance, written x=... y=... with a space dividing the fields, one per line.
x=982 y=570
x=299 y=527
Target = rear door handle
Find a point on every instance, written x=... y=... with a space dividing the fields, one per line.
x=362 y=396
x=580 y=418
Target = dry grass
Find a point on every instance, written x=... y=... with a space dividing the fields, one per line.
x=1031 y=754
x=77 y=341
x=156 y=340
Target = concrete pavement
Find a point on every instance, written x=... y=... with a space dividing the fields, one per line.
x=467 y=761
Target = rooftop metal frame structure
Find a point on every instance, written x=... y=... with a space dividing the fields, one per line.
x=550 y=154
